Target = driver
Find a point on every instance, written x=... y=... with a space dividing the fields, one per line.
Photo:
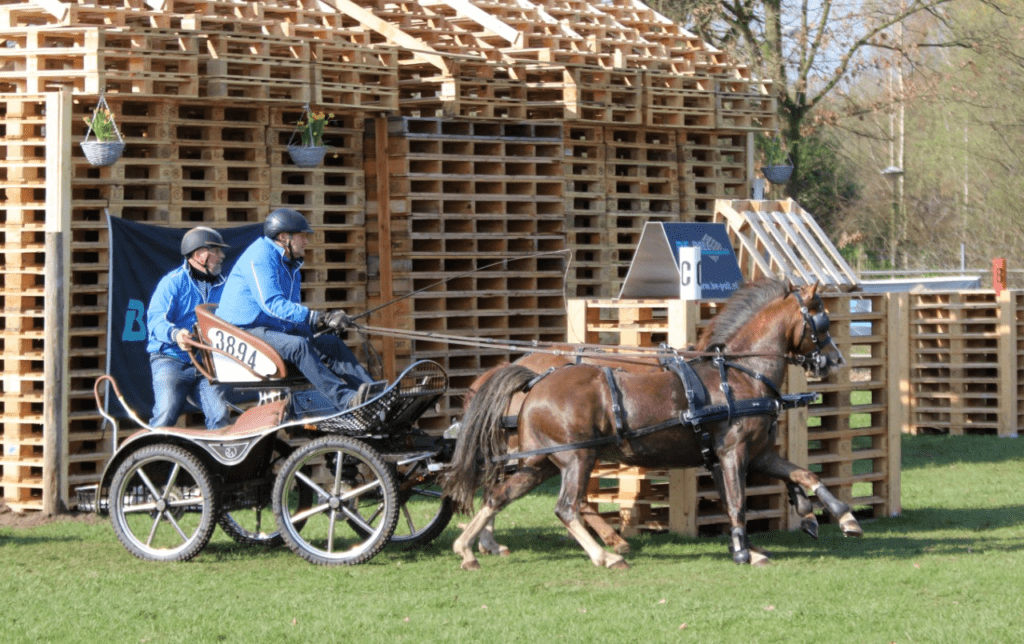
x=262 y=296
x=170 y=318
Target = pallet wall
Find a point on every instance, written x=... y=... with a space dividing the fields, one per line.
x=965 y=362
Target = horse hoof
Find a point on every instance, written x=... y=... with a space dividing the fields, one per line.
x=760 y=560
x=619 y=565
x=504 y=551
x=471 y=565
x=850 y=526
x=741 y=556
x=854 y=531
x=810 y=526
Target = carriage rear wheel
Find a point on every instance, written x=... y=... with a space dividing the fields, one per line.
x=162 y=504
x=335 y=501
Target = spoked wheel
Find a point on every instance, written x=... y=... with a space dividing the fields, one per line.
x=354 y=504
x=162 y=504
x=424 y=512
x=254 y=524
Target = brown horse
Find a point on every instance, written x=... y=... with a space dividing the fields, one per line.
x=567 y=420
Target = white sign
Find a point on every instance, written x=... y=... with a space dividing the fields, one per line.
x=689 y=273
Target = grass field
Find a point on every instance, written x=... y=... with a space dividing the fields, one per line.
x=949 y=569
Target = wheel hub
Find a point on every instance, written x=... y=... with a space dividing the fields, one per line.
x=334 y=502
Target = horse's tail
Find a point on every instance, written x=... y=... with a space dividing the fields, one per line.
x=482 y=437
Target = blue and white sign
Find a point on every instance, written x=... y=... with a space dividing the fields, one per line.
x=656 y=270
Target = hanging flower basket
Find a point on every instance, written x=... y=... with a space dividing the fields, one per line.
x=777 y=173
x=103 y=149
x=309 y=150
x=307 y=156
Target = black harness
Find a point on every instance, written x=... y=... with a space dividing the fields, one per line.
x=698 y=414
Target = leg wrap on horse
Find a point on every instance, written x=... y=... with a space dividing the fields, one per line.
x=834 y=506
x=738 y=546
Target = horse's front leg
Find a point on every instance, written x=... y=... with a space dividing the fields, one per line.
x=730 y=478
x=771 y=464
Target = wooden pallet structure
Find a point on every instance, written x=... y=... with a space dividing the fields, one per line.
x=501 y=128
x=780 y=239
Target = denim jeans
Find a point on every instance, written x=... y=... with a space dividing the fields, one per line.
x=173 y=381
x=324 y=360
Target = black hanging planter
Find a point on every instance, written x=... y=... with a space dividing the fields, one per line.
x=777 y=174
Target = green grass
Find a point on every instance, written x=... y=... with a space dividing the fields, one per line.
x=948 y=570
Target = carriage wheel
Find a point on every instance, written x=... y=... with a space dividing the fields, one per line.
x=424 y=512
x=255 y=525
x=354 y=504
x=162 y=504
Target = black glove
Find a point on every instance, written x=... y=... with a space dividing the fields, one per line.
x=334 y=320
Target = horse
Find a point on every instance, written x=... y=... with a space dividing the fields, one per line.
x=568 y=420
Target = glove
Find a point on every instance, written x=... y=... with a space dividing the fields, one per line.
x=334 y=320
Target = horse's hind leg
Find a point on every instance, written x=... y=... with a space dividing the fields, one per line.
x=608 y=535
x=771 y=464
x=575 y=474
x=515 y=486
x=487 y=544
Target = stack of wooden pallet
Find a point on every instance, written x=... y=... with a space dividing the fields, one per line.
x=515 y=128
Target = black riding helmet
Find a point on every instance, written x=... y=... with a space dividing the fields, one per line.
x=200 y=237
x=285 y=220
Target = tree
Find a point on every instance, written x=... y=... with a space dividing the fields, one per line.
x=818 y=51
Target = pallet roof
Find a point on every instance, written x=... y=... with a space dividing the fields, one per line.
x=551 y=59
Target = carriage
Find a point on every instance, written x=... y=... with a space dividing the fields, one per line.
x=336 y=487
x=337 y=482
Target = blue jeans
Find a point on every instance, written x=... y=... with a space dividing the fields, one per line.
x=324 y=360
x=173 y=382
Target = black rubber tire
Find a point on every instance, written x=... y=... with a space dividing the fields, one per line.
x=355 y=504
x=162 y=504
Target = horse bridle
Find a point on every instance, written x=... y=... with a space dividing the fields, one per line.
x=817 y=326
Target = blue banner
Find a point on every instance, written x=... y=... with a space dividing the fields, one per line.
x=140 y=255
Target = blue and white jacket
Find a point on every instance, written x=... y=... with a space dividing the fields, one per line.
x=263 y=289
x=173 y=307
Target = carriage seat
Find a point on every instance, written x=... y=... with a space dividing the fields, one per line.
x=232 y=355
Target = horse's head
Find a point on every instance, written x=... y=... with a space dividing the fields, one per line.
x=812 y=345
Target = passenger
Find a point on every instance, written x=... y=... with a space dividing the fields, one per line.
x=171 y=317
x=262 y=296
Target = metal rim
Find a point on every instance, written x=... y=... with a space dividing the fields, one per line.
x=354 y=507
x=162 y=504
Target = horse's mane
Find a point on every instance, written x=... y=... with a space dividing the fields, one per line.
x=742 y=305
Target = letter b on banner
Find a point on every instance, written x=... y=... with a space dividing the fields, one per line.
x=689 y=273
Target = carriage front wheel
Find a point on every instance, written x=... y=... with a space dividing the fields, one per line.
x=162 y=504
x=424 y=512
x=335 y=501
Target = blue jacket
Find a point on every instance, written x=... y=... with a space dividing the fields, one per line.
x=173 y=307
x=263 y=289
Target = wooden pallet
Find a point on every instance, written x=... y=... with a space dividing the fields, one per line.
x=781 y=239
